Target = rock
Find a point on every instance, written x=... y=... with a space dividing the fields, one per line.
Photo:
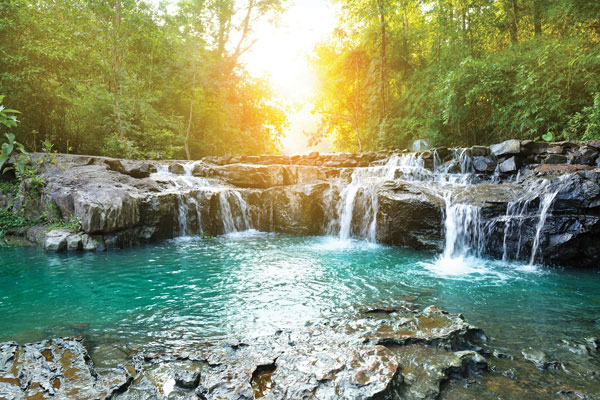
x=594 y=144
x=251 y=176
x=89 y=243
x=74 y=242
x=484 y=164
x=479 y=151
x=314 y=154
x=555 y=159
x=410 y=217
x=531 y=147
x=540 y=359
x=56 y=240
x=187 y=379
x=555 y=150
x=177 y=168
x=58 y=368
x=508 y=147
x=509 y=166
x=554 y=169
x=584 y=155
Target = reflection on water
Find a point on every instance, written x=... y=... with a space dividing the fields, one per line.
x=189 y=289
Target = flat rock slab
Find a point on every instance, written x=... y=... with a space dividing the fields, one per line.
x=367 y=355
x=58 y=368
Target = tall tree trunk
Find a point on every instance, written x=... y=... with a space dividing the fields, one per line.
x=383 y=61
x=356 y=101
x=116 y=70
x=357 y=131
x=189 y=127
x=514 y=21
x=537 y=17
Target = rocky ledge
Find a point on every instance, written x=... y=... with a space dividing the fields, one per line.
x=381 y=354
x=398 y=198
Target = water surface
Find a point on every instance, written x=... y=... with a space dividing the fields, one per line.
x=189 y=290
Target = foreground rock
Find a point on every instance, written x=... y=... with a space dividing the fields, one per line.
x=58 y=368
x=400 y=354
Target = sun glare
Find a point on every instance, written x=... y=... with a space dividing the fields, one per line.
x=281 y=54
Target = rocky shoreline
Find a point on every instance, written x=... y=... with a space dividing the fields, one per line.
x=122 y=203
x=381 y=353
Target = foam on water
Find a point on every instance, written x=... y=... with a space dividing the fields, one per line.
x=333 y=243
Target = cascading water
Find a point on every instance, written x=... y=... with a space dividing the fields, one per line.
x=463 y=233
x=234 y=218
x=545 y=203
x=352 y=206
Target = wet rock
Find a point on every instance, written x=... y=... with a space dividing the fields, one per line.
x=340 y=359
x=56 y=240
x=187 y=379
x=508 y=147
x=177 y=168
x=509 y=166
x=540 y=359
x=584 y=155
x=426 y=369
x=555 y=159
x=484 y=164
x=58 y=368
x=410 y=217
x=251 y=176
x=556 y=149
x=554 y=169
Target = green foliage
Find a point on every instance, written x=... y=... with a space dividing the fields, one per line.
x=128 y=81
x=8 y=188
x=460 y=73
x=74 y=225
x=10 y=223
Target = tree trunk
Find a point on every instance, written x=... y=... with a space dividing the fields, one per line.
x=383 y=61
x=116 y=84
x=537 y=17
x=357 y=131
x=514 y=22
x=189 y=127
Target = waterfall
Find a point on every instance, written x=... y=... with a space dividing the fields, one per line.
x=182 y=215
x=519 y=212
x=463 y=232
x=359 y=200
x=545 y=203
x=236 y=219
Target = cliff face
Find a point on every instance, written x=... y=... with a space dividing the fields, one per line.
x=509 y=200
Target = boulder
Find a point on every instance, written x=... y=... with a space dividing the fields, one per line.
x=531 y=147
x=56 y=240
x=585 y=155
x=409 y=217
x=540 y=359
x=552 y=158
x=508 y=147
x=509 y=166
x=484 y=164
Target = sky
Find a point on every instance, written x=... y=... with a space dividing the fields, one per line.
x=281 y=52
